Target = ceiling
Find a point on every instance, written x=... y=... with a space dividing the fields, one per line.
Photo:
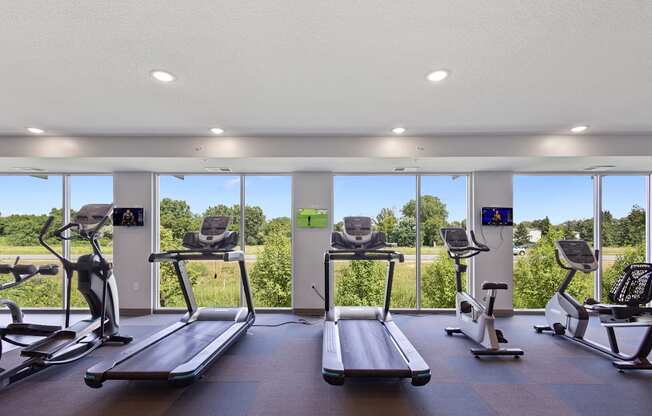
x=325 y=67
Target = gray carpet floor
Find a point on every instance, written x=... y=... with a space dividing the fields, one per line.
x=276 y=371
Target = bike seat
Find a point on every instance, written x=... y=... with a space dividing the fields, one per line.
x=494 y=285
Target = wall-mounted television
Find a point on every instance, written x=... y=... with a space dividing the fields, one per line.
x=497 y=216
x=312 y=218
x=128 y=217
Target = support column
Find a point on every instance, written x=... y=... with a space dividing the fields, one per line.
x=493 y=189
x=310 y=190
x=133 y=245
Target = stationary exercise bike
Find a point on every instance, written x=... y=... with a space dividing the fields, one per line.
x=95 y=282
x=476 y=321
x=630 y=293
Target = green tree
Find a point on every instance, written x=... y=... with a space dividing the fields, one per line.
x=361 y=283
x=170 y=290
x=434 y=215
x=633 y=227
x=537 y=275
x=271 y=276
x=177 y=217
x=521 y=235
x=405 y=232
x=386 y=221
x=281 y=225
x=438 y=283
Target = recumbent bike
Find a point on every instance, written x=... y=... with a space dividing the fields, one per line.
x=629 y=294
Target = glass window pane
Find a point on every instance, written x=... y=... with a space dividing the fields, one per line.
x=443 y=204
x=92 y=189
x=22 y=214
x=390 y=201
x=623 y=226
x=184 y=202
x=268 y=233
x=547 y=209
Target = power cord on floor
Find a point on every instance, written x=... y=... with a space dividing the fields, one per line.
x=300 y=321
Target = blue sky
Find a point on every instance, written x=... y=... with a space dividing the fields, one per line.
x=559 y=197
x=367 y=195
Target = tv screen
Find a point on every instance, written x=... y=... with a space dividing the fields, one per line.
x=312 y=218
x=497 y=216
x=128 y=217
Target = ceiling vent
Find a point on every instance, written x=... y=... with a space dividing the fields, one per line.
x=218 y=169
x=408 y=169
x=600 y=167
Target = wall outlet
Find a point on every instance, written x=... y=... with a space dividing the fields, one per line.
x=136 y=286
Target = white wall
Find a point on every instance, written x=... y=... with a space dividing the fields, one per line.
x=492 y=189
x=133 y=245
x=310 y=190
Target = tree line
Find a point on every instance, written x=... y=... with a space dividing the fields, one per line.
x=402 y=230
x=616 y=232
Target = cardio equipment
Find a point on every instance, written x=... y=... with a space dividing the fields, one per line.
x=476 y=320
x=17 y=328
x=96 y=283
x=181 y=352
x=364 y=341
x=632 y=290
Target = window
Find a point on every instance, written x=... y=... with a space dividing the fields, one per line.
x=268 y=232
x=547 y=209
x=443 y=204
x=184 y=201
x=28 y=202
x=89 y=189
x=623 y=226
x=390 y=201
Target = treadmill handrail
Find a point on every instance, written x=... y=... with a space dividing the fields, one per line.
x=190 y=255
x=363 y=254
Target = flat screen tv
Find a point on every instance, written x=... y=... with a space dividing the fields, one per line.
x=128 y=217
x=497 y=216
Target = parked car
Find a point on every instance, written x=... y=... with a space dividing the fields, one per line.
x=520 y=250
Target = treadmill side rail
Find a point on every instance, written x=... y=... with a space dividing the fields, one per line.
x=332 y=365
x=417 y=364
x=187 y=372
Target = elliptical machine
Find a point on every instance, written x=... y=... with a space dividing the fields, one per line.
x=476 y=321
x=17 y=328
x=96 y=283
x=630 y=293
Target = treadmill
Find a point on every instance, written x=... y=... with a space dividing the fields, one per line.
x=181 y=352
x=364 y=341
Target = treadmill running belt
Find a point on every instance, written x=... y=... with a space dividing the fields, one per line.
x=167 y=354
x=368 y=350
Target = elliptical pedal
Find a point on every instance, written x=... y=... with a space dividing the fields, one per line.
x=501 y=338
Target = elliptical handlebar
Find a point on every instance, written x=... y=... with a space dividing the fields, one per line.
x=42 y=236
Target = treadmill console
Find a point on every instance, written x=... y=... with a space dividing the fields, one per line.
x=578 y=254
x=358 y=235
x=213 y=234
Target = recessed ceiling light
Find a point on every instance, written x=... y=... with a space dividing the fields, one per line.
x=162 y=76
x=35 y=130
x=217 y=169
x=217 y=130
x=438 y=75
x=399 y=130
x=579 y=129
